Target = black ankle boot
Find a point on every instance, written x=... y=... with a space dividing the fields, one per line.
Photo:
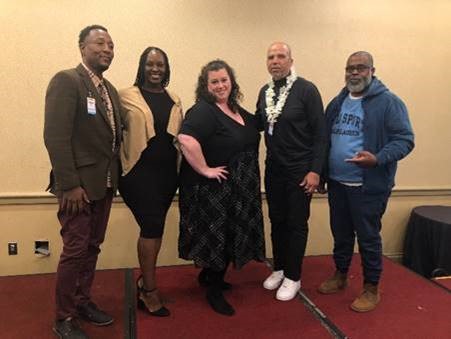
x=217 y=301
x=205 y=281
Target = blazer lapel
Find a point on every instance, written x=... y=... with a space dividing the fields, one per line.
x=93 y=92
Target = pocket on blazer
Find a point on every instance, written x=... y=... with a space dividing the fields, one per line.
x=85 y=160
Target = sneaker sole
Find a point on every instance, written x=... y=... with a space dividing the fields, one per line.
x=359 y=310
x=287 y=299
x=270 y=288
x=97 y=324
x=101 y=324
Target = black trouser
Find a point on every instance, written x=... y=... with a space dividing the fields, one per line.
x=289 y=210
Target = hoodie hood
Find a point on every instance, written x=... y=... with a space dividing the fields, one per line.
x=376 y=87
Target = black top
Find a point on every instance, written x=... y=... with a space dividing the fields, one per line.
x=299 y=141
x=220 y=137
x=160 y=149
x=160 y=104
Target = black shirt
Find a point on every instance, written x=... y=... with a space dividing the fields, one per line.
x=160 y=149
x=298 y=143
x=220 y=137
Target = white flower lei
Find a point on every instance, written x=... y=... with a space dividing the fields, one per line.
x=274 y=110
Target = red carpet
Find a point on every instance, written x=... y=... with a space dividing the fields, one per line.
x=411 y=306
x=27 y=305
x=258 y=314
x=445 y=282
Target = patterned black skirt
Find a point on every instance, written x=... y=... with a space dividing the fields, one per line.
x=221 y=223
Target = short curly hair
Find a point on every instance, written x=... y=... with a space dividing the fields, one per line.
x=202 y=84
x=141 y=74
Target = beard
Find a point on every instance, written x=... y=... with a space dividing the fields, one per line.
x=360 y=85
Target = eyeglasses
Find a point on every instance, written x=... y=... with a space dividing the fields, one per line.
x=359 y=68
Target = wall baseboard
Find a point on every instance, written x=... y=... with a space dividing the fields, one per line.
x=396 y=257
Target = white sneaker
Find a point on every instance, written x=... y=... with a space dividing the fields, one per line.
x=288 y=290
x=274 y=280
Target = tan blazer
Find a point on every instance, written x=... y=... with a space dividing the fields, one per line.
x=80 y=144
x=138 y=125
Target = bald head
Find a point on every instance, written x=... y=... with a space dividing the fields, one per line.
x=365 y=55
x=279 y=60
x=281 y=45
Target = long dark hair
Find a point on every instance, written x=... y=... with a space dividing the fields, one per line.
x=202 y=84
x=141 y=76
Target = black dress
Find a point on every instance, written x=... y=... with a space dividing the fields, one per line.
x=221 y=222
x=148 y=189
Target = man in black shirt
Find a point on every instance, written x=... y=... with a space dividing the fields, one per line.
x=290 y=111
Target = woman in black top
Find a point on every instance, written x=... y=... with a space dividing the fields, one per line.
x=152 y=118
x=220 y=205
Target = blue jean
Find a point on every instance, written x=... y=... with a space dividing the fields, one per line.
x=356 y=213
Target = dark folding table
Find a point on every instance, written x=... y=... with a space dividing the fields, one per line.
x=427 y=244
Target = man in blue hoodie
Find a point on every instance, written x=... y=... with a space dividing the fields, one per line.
x=369 y=132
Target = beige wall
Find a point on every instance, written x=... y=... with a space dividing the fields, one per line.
x=409 y=40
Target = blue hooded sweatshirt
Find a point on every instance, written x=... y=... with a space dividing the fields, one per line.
x=387 y=133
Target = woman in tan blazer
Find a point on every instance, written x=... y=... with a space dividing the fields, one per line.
x=149 y=156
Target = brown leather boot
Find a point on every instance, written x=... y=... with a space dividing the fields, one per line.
x=334 y=284
x=367 y=300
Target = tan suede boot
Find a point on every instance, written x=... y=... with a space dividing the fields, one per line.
x=334 y=284
x=367 y=300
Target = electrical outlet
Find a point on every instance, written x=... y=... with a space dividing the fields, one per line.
x=12 y=248
x=41 y=248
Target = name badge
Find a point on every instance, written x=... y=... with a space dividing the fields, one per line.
x=91 y=105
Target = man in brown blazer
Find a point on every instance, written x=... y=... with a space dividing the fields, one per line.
x=82 y=133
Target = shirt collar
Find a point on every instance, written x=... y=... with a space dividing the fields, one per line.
x=95 y=78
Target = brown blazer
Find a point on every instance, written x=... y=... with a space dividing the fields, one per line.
x=80 y=144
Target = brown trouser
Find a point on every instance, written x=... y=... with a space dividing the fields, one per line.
x=82 y=236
